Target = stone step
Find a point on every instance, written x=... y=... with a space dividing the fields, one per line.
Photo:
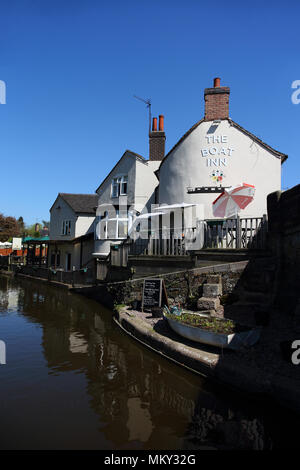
x=208 y=303
x=212 y=290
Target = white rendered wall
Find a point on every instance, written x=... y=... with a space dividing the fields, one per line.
x=59 y=212
x=140 y=191
x=126 y=166
x=241 y=160
x=84 y=224
x=145 y=184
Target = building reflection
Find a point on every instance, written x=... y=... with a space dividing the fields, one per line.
x=141 y=400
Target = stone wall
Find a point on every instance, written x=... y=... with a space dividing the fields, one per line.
x=284 y=239
x=184 y=287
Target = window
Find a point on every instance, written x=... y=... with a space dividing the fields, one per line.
x=119 y=186
x=68 y=261
x=55 y=259
x=66 y=227
x=114 y=228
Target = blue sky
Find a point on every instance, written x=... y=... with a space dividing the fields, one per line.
x=71 y=69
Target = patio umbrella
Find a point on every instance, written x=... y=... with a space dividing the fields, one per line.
x=232 y=200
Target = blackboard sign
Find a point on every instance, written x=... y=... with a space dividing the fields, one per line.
x=153 y=292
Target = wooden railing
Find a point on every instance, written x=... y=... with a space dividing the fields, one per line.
x=165 y=242
x=235 y=233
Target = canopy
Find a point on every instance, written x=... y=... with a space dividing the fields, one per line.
x=233 y=199
x=149 y=214
x=37 y=239
x=122 y=219
x=174 y=206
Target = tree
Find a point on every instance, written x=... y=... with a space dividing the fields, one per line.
x=9 y=228
x=31 y=232
x=21 y=225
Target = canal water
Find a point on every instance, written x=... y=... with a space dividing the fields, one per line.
x=74 y=380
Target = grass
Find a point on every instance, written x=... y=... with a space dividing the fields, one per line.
x=215 y=325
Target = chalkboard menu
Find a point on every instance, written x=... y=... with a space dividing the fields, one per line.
x=152 y=293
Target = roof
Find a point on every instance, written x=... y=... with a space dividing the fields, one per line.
x=35 y=239
x=278 y=154
x=84 y=237
x=130 y=152
x=281 y=155
x=80 y=203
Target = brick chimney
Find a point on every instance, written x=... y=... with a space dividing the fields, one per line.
x=216 y=102
x=157 y=139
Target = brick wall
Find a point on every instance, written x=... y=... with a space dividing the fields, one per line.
x=216 y=103
x=157 y=145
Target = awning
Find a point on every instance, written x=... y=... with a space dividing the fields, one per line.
x=148 y=215
x=181 y=205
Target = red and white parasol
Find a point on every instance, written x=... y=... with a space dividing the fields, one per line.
x=232 y=200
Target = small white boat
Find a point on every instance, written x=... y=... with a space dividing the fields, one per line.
x=221 y=340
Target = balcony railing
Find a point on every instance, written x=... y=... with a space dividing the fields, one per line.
x=235 y=233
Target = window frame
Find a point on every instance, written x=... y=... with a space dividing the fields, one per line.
x=117 y=185
x=106 y=230
x=66 y=227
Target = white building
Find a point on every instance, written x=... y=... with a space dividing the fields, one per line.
x=218 y=151
x=215 y=152
x=72 y=219
x=132 y=182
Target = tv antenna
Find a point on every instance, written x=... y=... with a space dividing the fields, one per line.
x=148 y=103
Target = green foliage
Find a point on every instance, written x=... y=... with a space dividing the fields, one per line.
x=119 y=307
x=216 y=325
x=31 y=232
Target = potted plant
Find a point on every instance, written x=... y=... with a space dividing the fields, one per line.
x=212 y=330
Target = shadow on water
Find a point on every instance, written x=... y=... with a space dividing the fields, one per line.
x=74 y=380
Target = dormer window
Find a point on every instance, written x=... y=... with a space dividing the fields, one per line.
x=119 y=186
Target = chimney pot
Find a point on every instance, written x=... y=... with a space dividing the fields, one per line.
x=217 y=81
x=154 y=124
x=161 y=123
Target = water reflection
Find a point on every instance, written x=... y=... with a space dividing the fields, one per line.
x=105 y=390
